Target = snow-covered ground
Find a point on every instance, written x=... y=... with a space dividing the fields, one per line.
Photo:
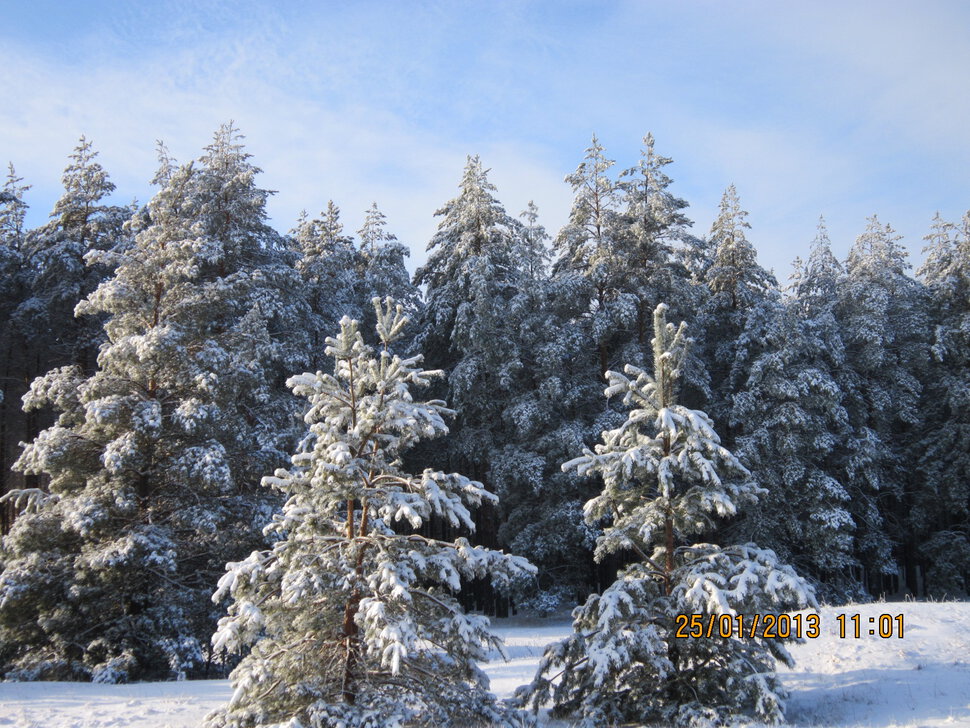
x=921 y=680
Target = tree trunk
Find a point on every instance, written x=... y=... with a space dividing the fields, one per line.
x=350 y=632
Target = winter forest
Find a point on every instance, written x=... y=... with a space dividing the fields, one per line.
x=228 y=448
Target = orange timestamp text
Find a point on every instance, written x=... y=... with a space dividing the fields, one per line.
x=785 y=626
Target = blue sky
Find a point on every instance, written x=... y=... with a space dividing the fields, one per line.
x=841 y=109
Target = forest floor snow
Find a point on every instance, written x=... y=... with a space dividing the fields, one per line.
x=919 y=681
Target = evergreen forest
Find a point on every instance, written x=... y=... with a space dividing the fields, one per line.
x=169 y=369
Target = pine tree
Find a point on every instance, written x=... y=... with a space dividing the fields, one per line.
x=546 y=420
x=815 y=283
x=534 y=247
x=790 y=423
x=881 y=313
x=473 y=280
x=383 y=273
x=735 y=278
x=666 y=477
x=351 y=618
x=656 y=248
x=81 y=222
x=617 y=257
x=249 y=300
x=591 y=246
x=328 y=267
x=14 y=209
x=475 y=302
x=590 y=309
x=14 y=361
x=940 y=511
x=737 y=284
x=653 y=225
x=153 y=459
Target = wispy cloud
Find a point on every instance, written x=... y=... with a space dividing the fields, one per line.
x=818 y=108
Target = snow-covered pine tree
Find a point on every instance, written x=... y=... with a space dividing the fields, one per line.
x=654 y=223
x=14 y=359
x=737 y=284
x=544 y=422
x=569 y=326
x=735 y=275
x=383 y=273
x=81 y=222
x=666 y=478
x=882 y=314
x=56 y=278
x=534 y=244
x=469 y=326
x=13 y=209
x=471 y=276
x=656 y=248
x=790 y=425
x=592 y=246
x=329 y=268
x=351 y=617
x=247 y=305
x=150 y=463
x=939 y=520
x=617 y=257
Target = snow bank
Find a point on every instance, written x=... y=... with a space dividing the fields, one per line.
x=921 y=680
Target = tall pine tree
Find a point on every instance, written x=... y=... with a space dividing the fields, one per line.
x=81 y=222
x=791 y=422
x=154 y=457
x=382 y=270
x=14 y=357
x=328 y=265
x=351 y=615
x=474 y=284
x=881 y=313
x=666 y=478
x=737 y=285
x=940 y=516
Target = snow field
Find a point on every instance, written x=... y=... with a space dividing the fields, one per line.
x=87 y=705
x=919 y=681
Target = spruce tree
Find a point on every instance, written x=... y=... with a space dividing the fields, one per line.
x=351 y=615
x=667 y=478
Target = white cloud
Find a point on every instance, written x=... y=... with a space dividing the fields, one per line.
x=817 y=108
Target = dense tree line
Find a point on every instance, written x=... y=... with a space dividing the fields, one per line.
x=144 y=354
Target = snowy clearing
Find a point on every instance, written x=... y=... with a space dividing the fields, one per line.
x=921 y=680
